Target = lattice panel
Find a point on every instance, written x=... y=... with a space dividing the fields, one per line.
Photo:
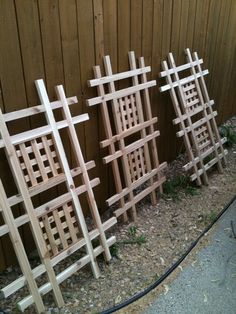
x=137 y=164
x=127 y=113
x=191 y=97
x=60 y=228
x=39 y=160
x=195 y=116
x=134 y=136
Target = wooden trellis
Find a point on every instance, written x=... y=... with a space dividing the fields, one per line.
x=195 y=115
x=39 y=163
x=134 y=137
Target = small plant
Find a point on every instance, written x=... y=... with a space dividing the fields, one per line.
x=173 y=186
x=114 y=250
x=191 y=190
x=141 y=239
x=133 y=238
x=209 y=218
x=132 y=231
x=229 y=133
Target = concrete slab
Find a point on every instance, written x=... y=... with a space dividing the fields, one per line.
x=209 y=285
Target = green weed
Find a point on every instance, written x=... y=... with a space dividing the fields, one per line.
x=114 y=249
x=229 y=133
x=132 y=231
x=209 y=218
x=173 y=186
x=133 y=238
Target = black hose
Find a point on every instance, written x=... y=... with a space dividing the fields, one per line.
x=171 y=269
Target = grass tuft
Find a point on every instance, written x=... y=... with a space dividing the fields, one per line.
x=229 y=133
x=173 y=186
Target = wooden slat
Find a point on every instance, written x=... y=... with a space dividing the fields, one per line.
x=127 y=113
x=13 y=160
x=190 y=124
x=19 y=250
x=141 y=119
x=120 y=93
x=22 y=113
x=198 y=123
x=115 y=198
x=209 y=128
x=118 y=76
x=41 y=131
x=108 y=132
x=179 y=114
x=201 y=136
x=39 y=270
x=70 y=182
x=66 y=274
x=180 y=68
x=81 y=163
x=128 y=132
x=16 y=199
x=131 y=147
x=62 y=199
x=118 y=126
x=182 y=81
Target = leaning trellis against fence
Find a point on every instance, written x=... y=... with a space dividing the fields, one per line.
x=195 y=116
x=39 y=163
x=134 y=137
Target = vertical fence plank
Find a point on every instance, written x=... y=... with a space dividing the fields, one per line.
x=147 y=31
x=123 y=18
x=87 y=61
x=156 y=57
x=200 y=27
x=70 y=55
x=227 y=67
x=110 y=30
x=165 y=120
x=104 y=171
x=136 y=8
x=3 y=262
x=183 y=31
x=13 y=92
x=191 y=23
x=219 y=57
x=51 y=41
x=32 y=60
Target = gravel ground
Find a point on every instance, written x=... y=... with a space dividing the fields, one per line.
x=146 y=248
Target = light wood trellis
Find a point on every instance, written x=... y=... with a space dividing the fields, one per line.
x=39 y=163
x=195 y=115
x=133 y=139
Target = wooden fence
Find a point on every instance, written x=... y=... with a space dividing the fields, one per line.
x=60 y=41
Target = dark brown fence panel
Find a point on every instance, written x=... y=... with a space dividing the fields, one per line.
x=60 y=41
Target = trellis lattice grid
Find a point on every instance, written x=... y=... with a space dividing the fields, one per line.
x=195 y=115
x=133 y=138
x=39 y=163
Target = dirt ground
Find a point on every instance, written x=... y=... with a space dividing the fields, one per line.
x=145 y=249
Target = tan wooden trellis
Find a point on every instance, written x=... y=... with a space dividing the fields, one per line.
x=195 y=115
x=134 y=138
x=38 y=162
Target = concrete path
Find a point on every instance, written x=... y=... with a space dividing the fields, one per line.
x=207 y=286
